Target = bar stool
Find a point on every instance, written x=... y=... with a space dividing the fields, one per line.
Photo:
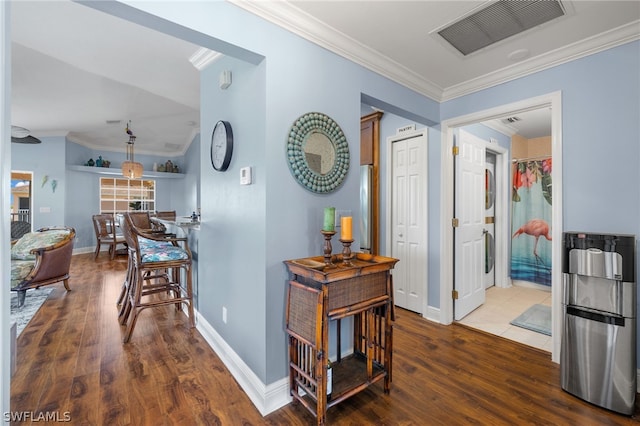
x=141 y=220
x=145 y=287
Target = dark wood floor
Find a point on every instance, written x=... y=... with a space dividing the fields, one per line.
x=71 y=359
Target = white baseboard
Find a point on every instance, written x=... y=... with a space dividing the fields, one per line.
x=266 y=398
x=432 y=314
x=13 y=335
x=529 y=284
x=83 y=250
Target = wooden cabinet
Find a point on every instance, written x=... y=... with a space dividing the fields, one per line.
x=319 y=294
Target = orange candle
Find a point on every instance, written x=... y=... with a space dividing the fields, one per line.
x=347 y=232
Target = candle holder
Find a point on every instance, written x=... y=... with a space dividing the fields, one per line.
x=327 y=247
x=346 y=252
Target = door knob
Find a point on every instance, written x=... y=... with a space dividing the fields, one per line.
x=400 y=235
x=484 y=232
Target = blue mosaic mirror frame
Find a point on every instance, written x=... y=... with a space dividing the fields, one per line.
x=311 y=126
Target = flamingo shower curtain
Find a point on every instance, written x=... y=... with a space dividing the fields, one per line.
x=531 y=222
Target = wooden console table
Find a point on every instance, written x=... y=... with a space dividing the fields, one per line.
x=318 y=294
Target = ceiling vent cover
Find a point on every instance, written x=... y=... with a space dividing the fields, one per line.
x=499 y=21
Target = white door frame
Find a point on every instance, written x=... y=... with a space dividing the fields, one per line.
x=5 y=205
x=424 y=135
x=554 y=101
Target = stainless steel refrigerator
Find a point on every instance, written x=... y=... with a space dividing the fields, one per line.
x=598 y=355
x=366 y=176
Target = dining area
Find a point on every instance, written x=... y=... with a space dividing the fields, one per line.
x=160 y=262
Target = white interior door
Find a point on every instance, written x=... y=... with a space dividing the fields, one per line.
x=408 y=221
x=469 y=244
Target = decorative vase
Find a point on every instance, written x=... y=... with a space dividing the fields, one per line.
x=90 y=162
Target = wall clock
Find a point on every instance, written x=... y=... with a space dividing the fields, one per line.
x=221 y=145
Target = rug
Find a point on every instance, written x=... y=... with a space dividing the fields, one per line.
x=537 y=318
x=22 y=315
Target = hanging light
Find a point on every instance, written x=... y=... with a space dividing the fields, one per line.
x=130 y=168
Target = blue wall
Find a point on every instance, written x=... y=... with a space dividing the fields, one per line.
x=232 y=231
x=248 y=231
x=44 y=160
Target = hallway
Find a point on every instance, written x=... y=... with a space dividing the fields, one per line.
x=72 y=360
x=502 y=305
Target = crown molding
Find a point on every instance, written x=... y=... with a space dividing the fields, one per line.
x=121 y=148
x=612 y=38
x=204 y=57
x=298 y=22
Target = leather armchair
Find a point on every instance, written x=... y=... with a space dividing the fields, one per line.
x=41 y=258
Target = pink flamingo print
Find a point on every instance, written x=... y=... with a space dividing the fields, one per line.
x=536 y=228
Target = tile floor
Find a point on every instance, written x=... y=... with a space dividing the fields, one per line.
x=503 y=305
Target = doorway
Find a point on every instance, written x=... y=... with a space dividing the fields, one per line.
x=552 y=101
x=21 y=201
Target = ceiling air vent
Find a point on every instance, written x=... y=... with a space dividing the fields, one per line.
x=499 y=21
x=512 y=119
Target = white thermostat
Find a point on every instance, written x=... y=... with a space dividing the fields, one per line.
x=245 y=176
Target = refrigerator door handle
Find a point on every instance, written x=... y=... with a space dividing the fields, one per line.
x=595 y=316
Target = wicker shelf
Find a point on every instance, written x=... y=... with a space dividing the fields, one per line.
x=317 y=294
x=111 y=171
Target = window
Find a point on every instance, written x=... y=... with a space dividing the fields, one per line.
x=119 y=195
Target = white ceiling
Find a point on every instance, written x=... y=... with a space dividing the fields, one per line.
x=65 y=84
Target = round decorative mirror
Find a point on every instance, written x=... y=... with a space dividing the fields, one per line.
x=318 y=152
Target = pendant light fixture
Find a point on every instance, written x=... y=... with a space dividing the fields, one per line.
x=130 y=168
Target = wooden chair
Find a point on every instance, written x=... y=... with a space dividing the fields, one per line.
x=142 y=221
x=105 y=229
x=168 y=215
x=145 y=287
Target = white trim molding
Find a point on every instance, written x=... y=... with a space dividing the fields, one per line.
x=266 y=398
x=580 y=49
x=291 y=18
x=204 y=57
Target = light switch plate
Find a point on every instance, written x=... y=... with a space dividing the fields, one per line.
x=245 y=176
